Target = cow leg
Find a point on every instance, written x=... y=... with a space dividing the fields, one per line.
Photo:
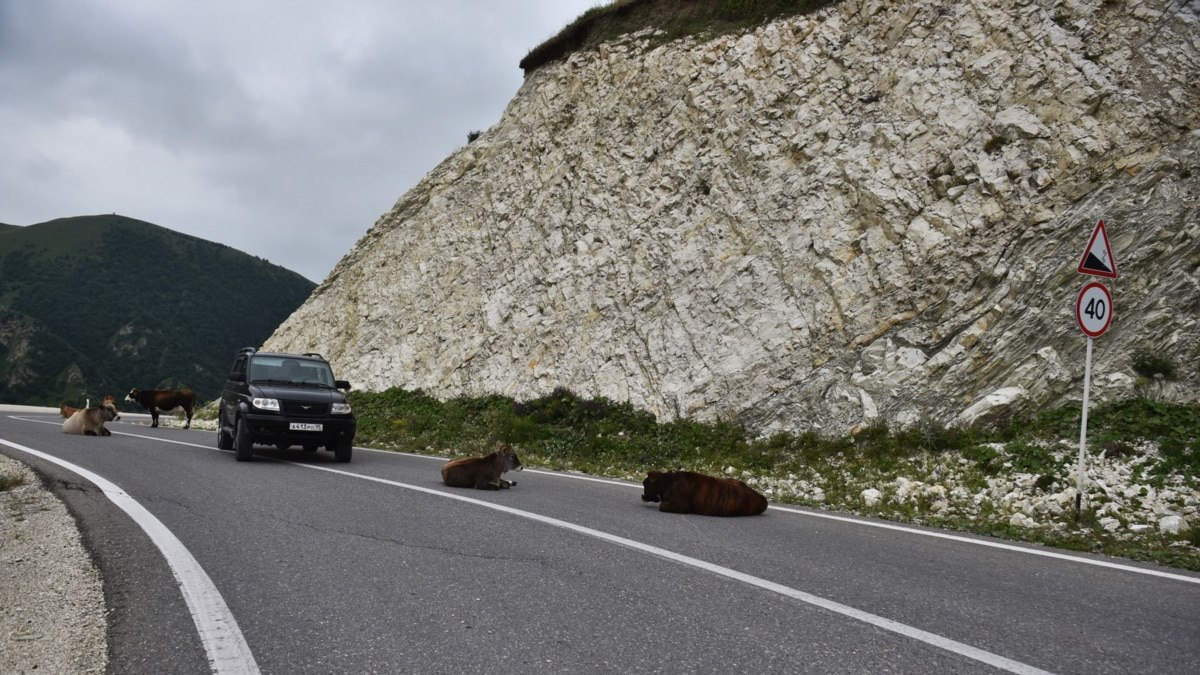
x=105 y=432
x=189 y=420
x=673 y=507
x=154 y=416
x=88 y=432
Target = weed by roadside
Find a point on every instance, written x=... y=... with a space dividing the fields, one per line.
x=1012 y=477
x=9 y=481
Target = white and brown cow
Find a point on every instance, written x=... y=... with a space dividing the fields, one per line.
x=90 y=421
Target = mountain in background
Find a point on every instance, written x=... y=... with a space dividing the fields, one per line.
x=95 y=305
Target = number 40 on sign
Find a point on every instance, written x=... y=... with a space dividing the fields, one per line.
x=1094 y=309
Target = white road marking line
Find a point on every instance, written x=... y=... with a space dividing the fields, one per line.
x=815 y=514
x=994 y=660
x=223 y=640
x=926 y=533
x=997 y=545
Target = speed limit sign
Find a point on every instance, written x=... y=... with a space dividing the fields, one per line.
x=1094 y=309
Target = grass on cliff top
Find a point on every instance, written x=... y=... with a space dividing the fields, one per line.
x=675 y=18
x=562 y=431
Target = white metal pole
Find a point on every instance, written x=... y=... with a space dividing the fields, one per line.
x=1080 y=479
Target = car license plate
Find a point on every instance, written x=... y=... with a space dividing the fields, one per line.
x=304 y=426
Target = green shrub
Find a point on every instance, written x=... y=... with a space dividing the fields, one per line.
x=1151 y=365
x=9 y=481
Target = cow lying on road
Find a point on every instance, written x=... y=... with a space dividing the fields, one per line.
x=66 y=410
x=164 y=400
x=690 y=492
x=90 y=421
x=482 y=473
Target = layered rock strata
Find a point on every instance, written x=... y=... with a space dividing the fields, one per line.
x=873 y=213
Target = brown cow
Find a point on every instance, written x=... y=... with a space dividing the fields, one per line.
x=164 y=400
x=482 y=473
x=691 y=492
x=66 y=410
x=90 y=421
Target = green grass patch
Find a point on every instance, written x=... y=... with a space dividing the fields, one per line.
x=563 y=431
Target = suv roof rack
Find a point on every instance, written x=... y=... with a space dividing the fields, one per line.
x=314 y=354
x=248 y=350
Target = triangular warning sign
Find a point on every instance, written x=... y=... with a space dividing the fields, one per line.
x=1098 y=259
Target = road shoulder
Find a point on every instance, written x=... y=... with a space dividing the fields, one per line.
x=52 y=611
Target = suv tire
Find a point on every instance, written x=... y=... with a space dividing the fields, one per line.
x=245 y=446
x=341 y=449
x=224 y=438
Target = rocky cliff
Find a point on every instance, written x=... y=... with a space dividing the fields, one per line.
x=874 y=212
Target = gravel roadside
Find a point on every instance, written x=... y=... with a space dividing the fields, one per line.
x=52 y=613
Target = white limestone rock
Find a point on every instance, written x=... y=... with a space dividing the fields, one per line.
x=821 y=222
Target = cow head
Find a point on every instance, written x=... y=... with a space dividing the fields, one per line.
x=653 y=486
x=110 y=412
x=111 y=401
x=132 y=396
x=508 y=459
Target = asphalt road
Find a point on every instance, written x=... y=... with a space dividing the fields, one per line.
x=375 y=566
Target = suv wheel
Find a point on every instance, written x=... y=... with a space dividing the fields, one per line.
x=341 y=449
x=224 y=438
x=245 y=447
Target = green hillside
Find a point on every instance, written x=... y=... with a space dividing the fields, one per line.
x=95 y=305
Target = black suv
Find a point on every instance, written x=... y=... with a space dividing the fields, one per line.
x=284 y=400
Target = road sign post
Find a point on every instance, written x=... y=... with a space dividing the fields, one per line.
x=1093 y=314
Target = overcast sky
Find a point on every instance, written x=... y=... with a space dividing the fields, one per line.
x=283 y=128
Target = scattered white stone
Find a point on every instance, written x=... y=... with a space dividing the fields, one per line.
x=871 y=497
x=1022 y=520
x=1172 y=525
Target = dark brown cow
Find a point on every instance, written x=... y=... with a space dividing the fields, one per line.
x=691 y=492
x=482 y=473
x=164 y=400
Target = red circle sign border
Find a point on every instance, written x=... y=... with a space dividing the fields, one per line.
x=1079 y=302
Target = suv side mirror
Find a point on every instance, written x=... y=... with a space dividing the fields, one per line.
x=342 y=384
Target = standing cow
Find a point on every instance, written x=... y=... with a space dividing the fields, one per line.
x=164 y=400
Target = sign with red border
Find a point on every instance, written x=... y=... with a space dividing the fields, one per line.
x=1098 y=259
x=1094 y=309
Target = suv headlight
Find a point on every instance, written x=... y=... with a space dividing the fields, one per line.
x=340 y=409
x=266 y=404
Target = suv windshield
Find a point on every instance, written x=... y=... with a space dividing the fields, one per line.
x=285 y=370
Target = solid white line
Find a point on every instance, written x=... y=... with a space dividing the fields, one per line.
x=923 y=533
x=812 y=514
x=993 y=544
x=223 y=641
x=933 y=639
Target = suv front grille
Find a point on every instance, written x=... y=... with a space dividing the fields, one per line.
x=304 y=408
